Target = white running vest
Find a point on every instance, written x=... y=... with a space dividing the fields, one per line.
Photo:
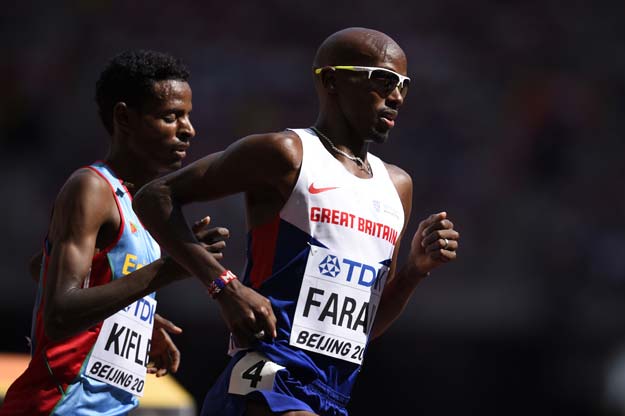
x=356 y=223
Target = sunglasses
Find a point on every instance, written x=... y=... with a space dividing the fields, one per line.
x=384 y=80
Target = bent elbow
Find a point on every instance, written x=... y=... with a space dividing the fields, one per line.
x=55 y=326
x=141 y=200
x=59 y=320
x=151 y=199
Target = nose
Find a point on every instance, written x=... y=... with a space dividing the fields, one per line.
x=185 y=129
x=395 y=100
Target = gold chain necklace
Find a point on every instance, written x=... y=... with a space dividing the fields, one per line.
x=361 y=163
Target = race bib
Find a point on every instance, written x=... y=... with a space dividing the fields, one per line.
x=337 y=304
x=122 y=350
x=253 y=372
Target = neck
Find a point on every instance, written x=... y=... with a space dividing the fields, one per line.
x=343 y=137
x=362 y=163
x=129 y=170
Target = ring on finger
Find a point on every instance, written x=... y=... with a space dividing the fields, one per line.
x=446 y=244
x=260 y=334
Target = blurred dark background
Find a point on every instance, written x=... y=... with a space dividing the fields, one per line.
x=513 y=125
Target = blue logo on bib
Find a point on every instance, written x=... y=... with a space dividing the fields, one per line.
x=330 y=266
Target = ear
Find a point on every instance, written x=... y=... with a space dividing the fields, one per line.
x=328 y=80
x=121 y=117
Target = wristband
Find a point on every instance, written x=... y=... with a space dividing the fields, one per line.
x=220 y=282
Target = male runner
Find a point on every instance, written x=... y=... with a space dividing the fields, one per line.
x=95 y=238
x=326 y=218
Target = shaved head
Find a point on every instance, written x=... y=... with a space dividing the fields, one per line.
x=357 y=46
x=353 y=103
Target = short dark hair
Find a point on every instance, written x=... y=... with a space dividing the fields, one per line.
x=130 y=76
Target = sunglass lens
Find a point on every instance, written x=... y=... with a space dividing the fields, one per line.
x=403 y=88
x=385 y=81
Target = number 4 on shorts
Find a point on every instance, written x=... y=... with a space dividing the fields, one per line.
x=253 y=372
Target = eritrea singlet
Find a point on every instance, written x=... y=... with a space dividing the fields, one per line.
x=55 y=380
x=322 y=262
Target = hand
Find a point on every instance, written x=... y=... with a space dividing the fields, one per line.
x=434 y=243
x=164 y=355
x=212 y=239
x=247 y=313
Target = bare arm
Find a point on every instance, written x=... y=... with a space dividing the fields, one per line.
x=265 y=168
x=426 y=253
x=34 y=265
x=83 y=207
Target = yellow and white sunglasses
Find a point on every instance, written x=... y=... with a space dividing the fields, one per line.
x=384 y=80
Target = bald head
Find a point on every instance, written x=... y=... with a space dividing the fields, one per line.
x=357 y=46
x=359 y=102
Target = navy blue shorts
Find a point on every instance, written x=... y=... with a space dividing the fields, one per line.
x=252 y=376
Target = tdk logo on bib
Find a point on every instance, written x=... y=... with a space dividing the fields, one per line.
x=363 y=274
x=329 y=266
x=337 y=302
x=141 y=309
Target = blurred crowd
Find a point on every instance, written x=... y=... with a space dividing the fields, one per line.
x=513 y=125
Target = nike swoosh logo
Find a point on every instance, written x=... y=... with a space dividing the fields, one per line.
x=314 y=190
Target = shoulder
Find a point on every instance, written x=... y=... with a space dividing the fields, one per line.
x=400 y=178
x=85 y=181
x=403 y=184
x=285 y=138
x=83 y=204
x=84 y=191
x=284 y=146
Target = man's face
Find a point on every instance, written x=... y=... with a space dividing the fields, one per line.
x=161 y=128
x=370 y=111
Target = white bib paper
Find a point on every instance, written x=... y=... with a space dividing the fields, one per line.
x=121 y=352
x=337 y=304
x=253 y=372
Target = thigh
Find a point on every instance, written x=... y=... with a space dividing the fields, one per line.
x=257 y=408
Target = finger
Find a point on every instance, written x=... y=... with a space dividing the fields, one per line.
x=274 y=324
x=172 y=352
x=212 y=235
x=431 y=220
x=440 y=235
x=248 y=327
x=441 y=244
x=169 y=326
x=201 y=224
x=175 y=359
x=223 y=233
x=169 y=359
x=444 y=256
x=267 y=321
x=155 y=365
x=443 y=224
x=216 y=247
